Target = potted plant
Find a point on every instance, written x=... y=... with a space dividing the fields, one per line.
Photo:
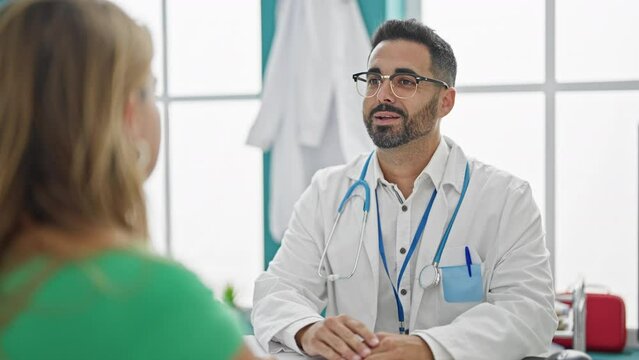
x=243 y=313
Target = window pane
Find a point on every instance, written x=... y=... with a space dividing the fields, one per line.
x=597 y=40
x=495 y=41
x=156 y=199
x=216 y=187
x=510 y=138
x=149 y=13
x=215 y=47
x=597 y=192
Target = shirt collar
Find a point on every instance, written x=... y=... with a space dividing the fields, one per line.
x=434 y=170
x=447 y=166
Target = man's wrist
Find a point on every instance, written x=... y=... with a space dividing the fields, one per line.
x=300 y=335
x=428 y=351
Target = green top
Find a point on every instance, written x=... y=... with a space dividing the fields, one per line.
x=120 y=304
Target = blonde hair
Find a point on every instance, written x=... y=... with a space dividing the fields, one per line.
x=67 y=69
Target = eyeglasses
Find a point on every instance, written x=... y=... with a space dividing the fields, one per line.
x=403 y=85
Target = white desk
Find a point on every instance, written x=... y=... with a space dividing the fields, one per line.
x=255 y=347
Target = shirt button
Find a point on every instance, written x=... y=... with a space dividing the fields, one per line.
x=404 y=208
x=403 y=291
x=402 y=251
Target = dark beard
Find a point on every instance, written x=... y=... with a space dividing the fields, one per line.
x=418 y=125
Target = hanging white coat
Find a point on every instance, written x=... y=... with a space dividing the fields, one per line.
x=498 y=221
x=310 y=115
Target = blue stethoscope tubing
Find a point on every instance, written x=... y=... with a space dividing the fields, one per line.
x=433 y=268
x=342 y=205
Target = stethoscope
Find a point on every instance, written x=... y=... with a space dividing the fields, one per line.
x=342 y=205
x=430 y=275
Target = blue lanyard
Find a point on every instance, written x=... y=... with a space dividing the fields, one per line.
x=413 y=245
x=416 y=239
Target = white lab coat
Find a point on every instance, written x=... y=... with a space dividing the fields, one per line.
x=498 y=221
x=310 y=115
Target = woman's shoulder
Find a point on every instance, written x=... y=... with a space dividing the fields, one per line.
x=133 y=300
x=170 y=304
x=130 y=279
x=140 y=277
x=133 y=264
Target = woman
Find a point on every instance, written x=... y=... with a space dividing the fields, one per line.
x=79 y=132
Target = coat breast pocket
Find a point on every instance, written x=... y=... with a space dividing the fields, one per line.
x=462 y=285
x=462 y=280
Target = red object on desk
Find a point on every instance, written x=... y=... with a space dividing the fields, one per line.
x=605 y=324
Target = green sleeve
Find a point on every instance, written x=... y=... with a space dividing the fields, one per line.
x=188 y=323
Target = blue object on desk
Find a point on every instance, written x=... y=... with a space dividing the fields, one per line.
x=469 y=262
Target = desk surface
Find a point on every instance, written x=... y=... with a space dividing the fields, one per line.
x=252 y=343
x=626 y=355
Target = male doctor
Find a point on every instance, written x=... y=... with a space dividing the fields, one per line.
x=453 y=259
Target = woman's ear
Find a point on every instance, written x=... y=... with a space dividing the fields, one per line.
x=129 y=115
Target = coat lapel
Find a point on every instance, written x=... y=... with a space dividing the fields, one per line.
x=372 y=252
x=371 y=249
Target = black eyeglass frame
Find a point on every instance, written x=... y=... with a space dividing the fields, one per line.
x=418 y=78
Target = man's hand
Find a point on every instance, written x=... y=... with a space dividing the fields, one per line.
x=337 y=337
x=405 y=347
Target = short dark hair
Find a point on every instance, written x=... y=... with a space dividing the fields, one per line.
x=443 y=60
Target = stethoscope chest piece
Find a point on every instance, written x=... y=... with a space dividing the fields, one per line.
x=429 y=276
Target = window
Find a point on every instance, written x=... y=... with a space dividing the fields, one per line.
x=504 y=38
x=486 y=124
x=597 y=191
x=204 y=197
x=557 y=84
x=594 y=47
x=216 y=188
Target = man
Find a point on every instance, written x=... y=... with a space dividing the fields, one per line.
x=453 y=260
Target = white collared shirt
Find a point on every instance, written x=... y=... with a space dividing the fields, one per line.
x=400 y=218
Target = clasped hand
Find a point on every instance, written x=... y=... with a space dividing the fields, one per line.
x=342 y=337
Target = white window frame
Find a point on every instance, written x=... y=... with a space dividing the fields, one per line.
x=550 y=87
x=165 y=99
